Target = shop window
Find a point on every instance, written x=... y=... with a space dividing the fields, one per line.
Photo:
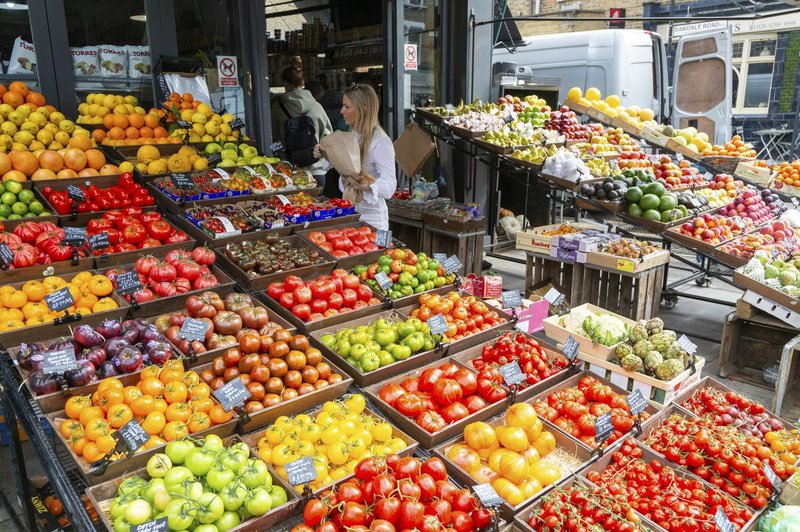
x=753 y=63
x=17 y=52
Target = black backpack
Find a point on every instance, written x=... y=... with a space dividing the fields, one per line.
x=299 y=138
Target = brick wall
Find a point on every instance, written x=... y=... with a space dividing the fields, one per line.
x=588 y=8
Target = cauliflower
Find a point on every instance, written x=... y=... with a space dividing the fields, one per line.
x=605 y=329
x=652 y=360
x=632 y=363
x=642 y=348
x=669 y=369
x=623 y=350
x=638 y=333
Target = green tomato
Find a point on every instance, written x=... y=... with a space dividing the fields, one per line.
x=429 y=284
x=132 y=486
x=423 y=264
x=259 y=502
x=254 y=474
x=162 y=500
x=422 y=276
x=154 y=486
x=206 y=528
x=433 y=264
x=278 y=495
x=416 y=323
x=227 y=521
x=359 y=337
x=385 y=357
x=374 y=346
x=429 y=343
x=138 y=512
x=406 y=290
x=176 y=477
x=212 y=442
x=357 y=351
x=177 y=450
x=406 y=328
x=343 y=348
x=158 y=465
x=121 y=502
x=414 y=282
x=420 y=288
x=328 y=340
x=385 y=337
x=233 y=495
x=233 y=460
x=414 y=341
x=200 y=461
x=384 y=260
x=180 y=514
x=121 y=525
x=381 y=324
x=209 y=508
x=401 y=352
x=219 y=477
x=395 y=294
x=370 y=361
x=359 y=269
x=439 y=282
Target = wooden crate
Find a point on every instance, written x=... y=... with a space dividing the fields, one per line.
x=542 y=270
x=407 y=230
x=466 y=244
x=633 y=295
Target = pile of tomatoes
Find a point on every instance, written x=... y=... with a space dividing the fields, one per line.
x=169 y=403
x=443 y=395
x=345 y=242
x=464 y=315
x=34 y=243
x=532 y=359
x=575 y=409
x=325 y=296
x=395 y=494
x=660 y=493
x=126 y=193
x=721 y=455
x=131 y=229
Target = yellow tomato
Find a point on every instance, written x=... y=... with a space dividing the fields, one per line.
x=332 y=407
x=521 y=415
x=545 y=472
x=508 y=491
x=324 y=419
x=339 y=473
x=347 y=427
x=487 y=452
x=332 y=434
x=535 y=430
x=365 y=435
x=382 y=432
x=305 y=448
x=379 y=449
x=358 y=447
x=355 y=403
x=265 y=453
x=530 y=488
x=397 y=444
x=513 y=438
x=464 y=457
x=514 y=467
x=310 y=433
x=545 y=443
x=480 y=435
x=283 y=454
x=104 y=304
x=273 y=435
x=321 y=468
x=531 y=455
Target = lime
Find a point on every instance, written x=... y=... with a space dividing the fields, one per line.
x=36 y=207
x=652 y=214
x=2 y=188
x=19 y=208
x=13 y=186
x=5 y=210
x=26 y=196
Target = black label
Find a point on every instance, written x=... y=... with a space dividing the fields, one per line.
x=487 y=495
x=157 y=525
x=301 y=471
x=383 y=281
x=59 y=300
x=441 y=257
x=57 y=362
x=183 y=124
x=437 y=324
x=75 y=193
x=772 y=477
x=232 y=394
x=383 y=238
x=6 y=255
x=193 y=329
x=214 y=158
x=183 y=181
x=636 y=402
x=275 y=147
x=512 y=373
x=571 y=348
x=511 y=299
x=603 y=427
x=74 y=236
x=99 y=241
x=508 y=119
x=131 y=436
x=128 y=282
x=451 y=264
x=236 y=123
x=723 y=523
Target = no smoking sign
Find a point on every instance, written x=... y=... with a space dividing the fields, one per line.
x=410 y=56
x=228 y=70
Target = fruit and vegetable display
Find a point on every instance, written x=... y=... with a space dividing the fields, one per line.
x=777 y=274
x=574 y=410
x=132 y=228
x=126 y=193
x=662 y=494
x=464 y=315
x=337 y=436
x=634 y=159
x=273 y=367
x=680 y=175
x=410 y=273
x=566 y=123
x=652 y=202
x=270 y=255
x=168 y=402
x=653 y=350
x=630 y=249
x=596 y=147
x=198 y=485
x=222 y=220
x=720 y=454
x=532 y=359
x=477 y=121
x=398 y=493
x=234 y=154
x=600 y=327
x=736 y=147
x=535 y=154
x=439 y=396
x=606 y=190
x=34 y=243
x=26 y=306
x=179 y=272
x=612 y=106
x=788 y=174
x=226 y=320
x=517 y=456
x=344 y=242
x=566 y=165
x=530 y=109
x=773 y=240
x=322 y=297
x=150 y=160
x=755 y=206
x=17 y=203
x=598 y=166
x=519 y=134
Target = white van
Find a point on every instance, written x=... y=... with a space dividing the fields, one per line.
x=633 y=65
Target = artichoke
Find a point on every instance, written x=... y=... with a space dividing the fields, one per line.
x=623 y=350
x=672 y=351
x=652 y=360
x=642 y=348
x=660 y=343
x=654 y=326
x=669 y=369
x=632 y=363
x=672 y=335
x=638 y=333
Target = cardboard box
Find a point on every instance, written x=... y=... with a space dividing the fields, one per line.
x=613 y=262
x=412 y=149
x=534 y=239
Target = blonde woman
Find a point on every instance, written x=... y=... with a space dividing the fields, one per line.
x=360 y=112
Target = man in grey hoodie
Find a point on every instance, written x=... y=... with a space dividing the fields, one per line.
x=298 y=101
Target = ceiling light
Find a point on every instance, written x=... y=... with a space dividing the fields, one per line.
x=139 y=18
x=13 y=6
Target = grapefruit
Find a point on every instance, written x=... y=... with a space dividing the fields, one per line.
x=43 y=173
x=51 y=160
x=66 y=173
x=82 y=142
x=24 y=162
x=75 y=159
x=5 y=163
x=88 y=172
x=14 y=175
x=95 y=159
x=110 y=169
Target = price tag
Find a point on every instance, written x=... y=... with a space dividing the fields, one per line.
x=232 y=394
x=383 y=238
x=75 y=193
x=128 y=282
x=452 y=264
x=157 y=525
x=695 y=203
x=723 y=523
x=487 y=495
x=636 y=402
x=59 y=300
x=554 y=297
x=74 y=235
x=776 y=482
x=512 y=374
x=508 y=119
x=193 y=329
x=6 y=255
x=441 y=257
x=183 y=124
x=236 y=123
x=214 y=158
x=183 y=181
x=603 y=427
x=383 y=281
x=301 y=471
x=795 y=202
x=283 y=199
x=437 y=324
x=571 y=348
x=511 y=299
x=99 y=241
x=57 y=362
x=275 y=147
x=687 y=344
x=679 y=156
x=131 y=436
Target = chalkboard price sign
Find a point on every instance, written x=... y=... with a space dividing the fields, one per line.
x=236 y=123
x=156 y=525
x=131 y=436
x=183 y=181
x=383 y=238
x=214 y=159
x=232 y=394
x=275 y=147
x=99 y=241
x=75 y=193
x=571 y=348
x=57 y=362
x=686 y=344
x=383 y=281
x=193 y=329
x=511 y=299
x=6 y=255
x=487 y=495
x=74 y=236
x=452 y=264
x=723 y=523
x=59 y=300
x=128 y=282
x=603 y=427
x=437 y=324
x=512 y=373
x=301 y=471
x=636 y=402
x=441 y=257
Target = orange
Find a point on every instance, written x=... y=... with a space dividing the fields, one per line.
x=178 y=412
x=81 y=142
x=75 y=159
x=13 y=99
x=43 y=174
x=131 y=133
x=66 y=173
x=120 y=414
x=88 y=172
x=121 y=121
x=2 y=89
x=186 y=97
x=116 y=133
x=113 y=382
x=159 y=132
x=5 y=163
x=35 y=290
x=151 y=120
x=24 y=161
x=19 y=87
x=141 y=406
x=199 y=421
x=219 y=415
x=174 y=97
x=35 y=98
x=151 y=386
x=145 y=133
x=154 y=423
x=89 y=413
x=136 y=120
x=108 y=121
x=75 y=404
x=98 y=135
x=175 y=430
x=51 y=160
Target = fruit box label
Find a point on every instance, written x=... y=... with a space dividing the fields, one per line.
x=99 y=241
x=636 y=402
x=772 y=477
x=487 y=495
x=57 y=362
x=571 y=348
x=74 y=235
x=183 y=181
x=512 y=373
x=214 y=158
x=554 y=297
x=383 y=238
x=131 y=436
x=452 y=264
x=626 y=265
x=603 y=427
x=723 y=523
x=156 y=525
x=232 y=394
x=654 y=137
x=59 y=300
x=511 y=299
x=301 y=471
x=236 y=123
x=383 y=281
x=128 y=282
x=75 y=193
x=6 y=255
x=437 y=324
x=686 y=344
x=193 y=329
